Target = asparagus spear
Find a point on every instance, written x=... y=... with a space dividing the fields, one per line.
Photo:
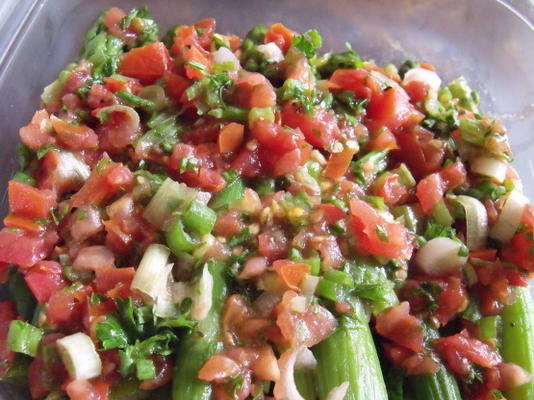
x=200 y=344
x=349 y=355
x=518 y=340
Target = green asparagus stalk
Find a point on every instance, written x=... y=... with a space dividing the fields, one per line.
x=199 y=345
x=305 y=379
x=518 y=340
x=349 y=355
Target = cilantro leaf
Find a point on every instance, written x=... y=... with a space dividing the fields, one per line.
x=309 y=42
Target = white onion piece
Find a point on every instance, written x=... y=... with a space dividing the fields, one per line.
x=134 y=119
x=309 y=285
x=298 y=304
x=179 y=291
x=271 y=52
x=225 y=56
x=285 y=388
x=202 y=295
x=439 y=257
x=164 y=306
x=70 y=167
x=153 y=271
x=339 y=392
x=509 y=218
x=422 y=75
x=305 y=360
x=490 y=167
x=476 y=218
x=79 y=356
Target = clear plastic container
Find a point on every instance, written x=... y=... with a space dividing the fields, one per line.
x=488 y=42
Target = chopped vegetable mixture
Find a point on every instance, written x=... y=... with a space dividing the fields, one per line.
x=201 y=216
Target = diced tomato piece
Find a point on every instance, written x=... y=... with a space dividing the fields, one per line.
x=65 y=307
x=383 y=140
x=484 y=254
x=396 y=324
x=309 y=327
x=119 y=130
x=412 y=363
x=207 y=28
x=332 y=213
x=254 y=90
x=25 y=249
x=106 y=179
x=338 y=163
x=429 y=192
x=92 y=258
x=393 y=110
x=32 y=135
x=74 y=137
x=355 y=80
x=451 y=300
x=82 y=389
x=175 y=85
x=417 y=91
x=113 y=16
x=419 y=150
x=100 y=96
x=272 y=245
x=109 y=277
x=519 y=251
x=280 y=35
x=292 y=273
x=319 y=129
x=218 y=368
x=330 y=251
x=7 y=314
x=44 y=279
x=247 y=163
x=453 y=175
x=390 y=189
x=377 y=236
x=463 y=346
x=231 y=137
x=30 y=202
x=228 y=224
x=147 y=63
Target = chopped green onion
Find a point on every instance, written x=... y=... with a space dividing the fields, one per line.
x=79 y=356
x=233 y=191
x=178 y=240
x=133 y=100
x=256 y=114
x=341 y=277
x=24 y=338
x=327 y=289
x=199 y=217
x=153 y=271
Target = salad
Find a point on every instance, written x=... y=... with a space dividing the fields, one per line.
x=201 y=216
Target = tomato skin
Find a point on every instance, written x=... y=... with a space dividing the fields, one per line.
x=412 y=363
x=419 y=151
x=82 y=389
x=292 y=273
x=44 y=279
x=109 y=277
x=451 y=300
x=147 y=63
x=272 y=245
x=319 y=129
x=456 y=349
x=393 y=110
x=25 y=249
x=280 y=35
x=74 y=137
x=27 y=201
x=254 y=90
x=187 y=45
x=332 y=213
x=364 y=221
x=429 y=192
x=208 y=26
x=32 y=135
x=396 y=324
x=103 y=183
x=247 y=163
